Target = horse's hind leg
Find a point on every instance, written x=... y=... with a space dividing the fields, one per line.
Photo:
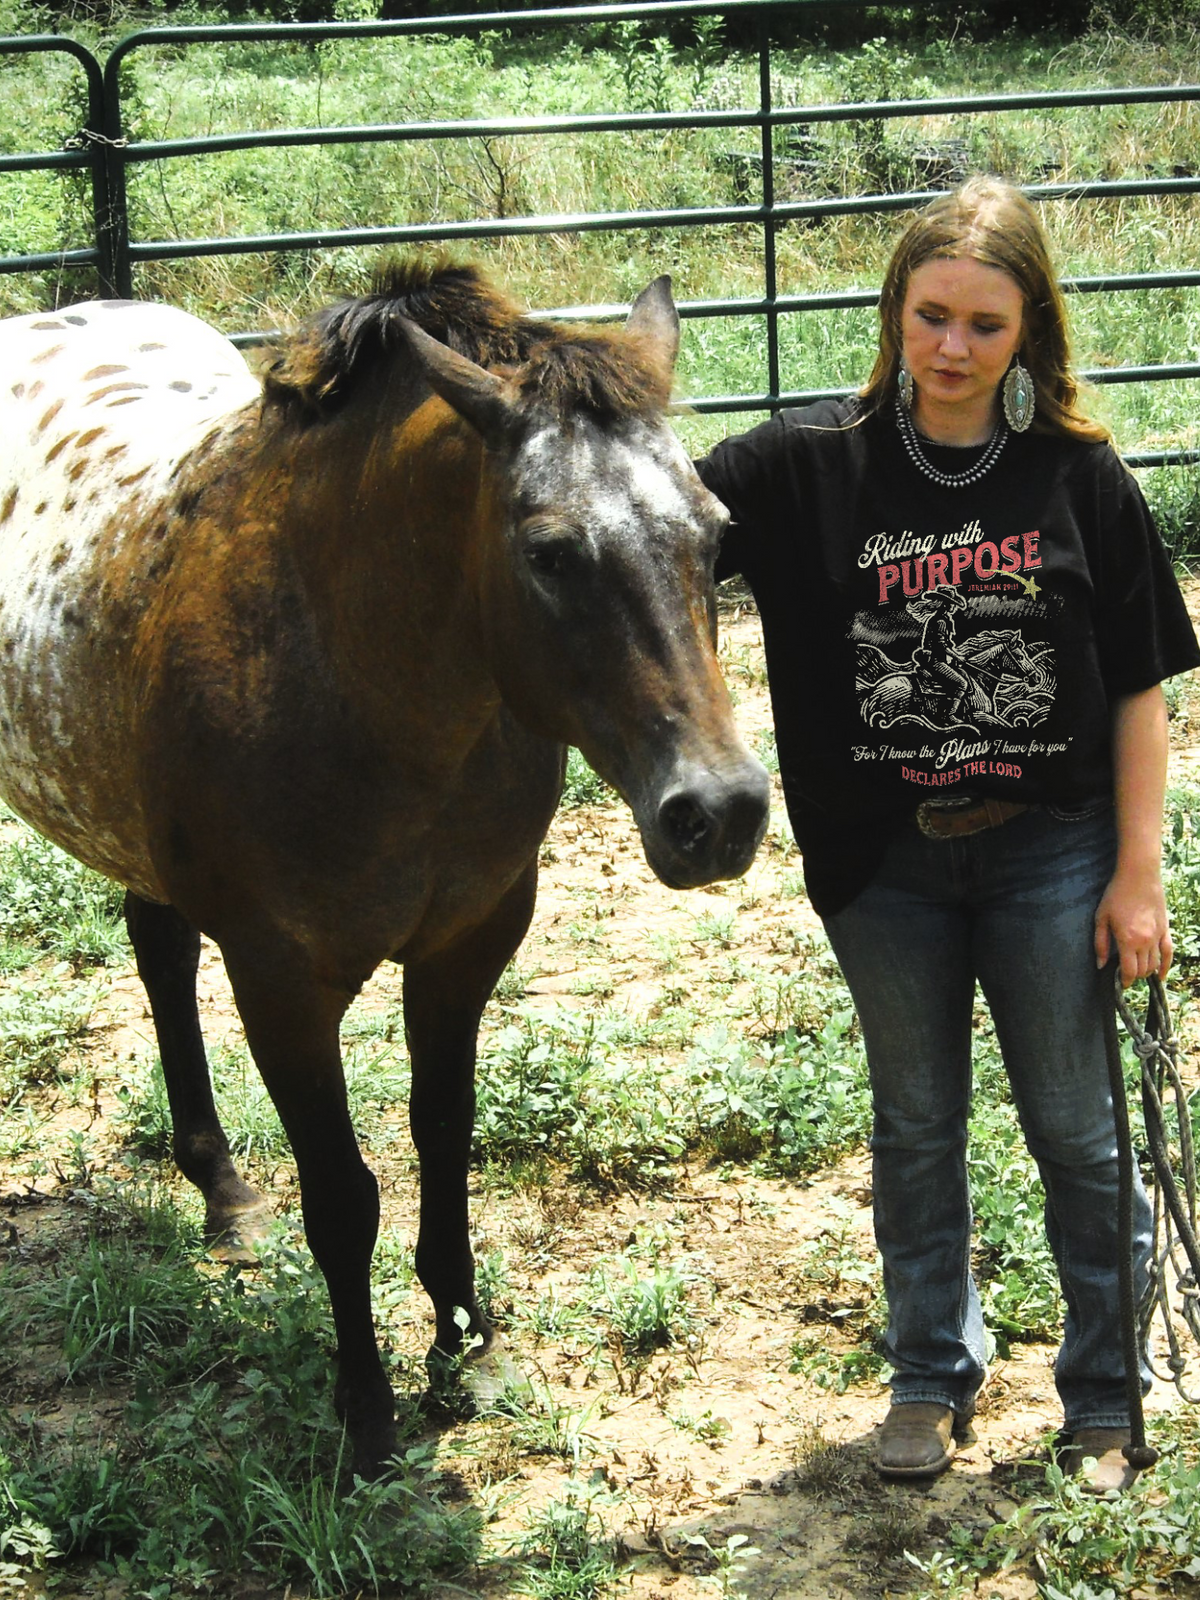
x=168 y=954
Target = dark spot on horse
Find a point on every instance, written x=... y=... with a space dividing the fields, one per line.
x=152 y=345
x=18 y=390
x=10 y=501
x=77 y=469
x=49 y=415
x=180 y=384
x=47 y=355
x=186 y=505
x=10 y=647
x=41 y=508
x=48 y=327
x=79 y=322
x=86 y=438
x=125 y=400
x=104 y=372
x=115 y=450
x=73 y=617
x=133 y=477
x=62 y=554
x=57 y=449
x=69 y=504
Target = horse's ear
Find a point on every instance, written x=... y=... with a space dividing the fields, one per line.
x=653 y=315
x=479 y=397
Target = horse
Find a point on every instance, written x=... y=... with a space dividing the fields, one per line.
x=295 y=659
x=892 y=696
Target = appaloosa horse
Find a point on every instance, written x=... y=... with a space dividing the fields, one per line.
x=296 y=662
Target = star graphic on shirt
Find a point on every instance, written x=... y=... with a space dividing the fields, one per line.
x=1030 y=584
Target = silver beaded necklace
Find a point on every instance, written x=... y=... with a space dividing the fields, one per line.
x=948 y=480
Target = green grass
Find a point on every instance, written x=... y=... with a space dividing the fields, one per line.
x=226 y=1456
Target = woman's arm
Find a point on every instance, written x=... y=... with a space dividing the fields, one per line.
x=1133 y=913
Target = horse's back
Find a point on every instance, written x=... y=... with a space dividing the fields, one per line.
x=117 y=371
x=99 y=404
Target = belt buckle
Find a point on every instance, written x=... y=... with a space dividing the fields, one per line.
x=938 y=821
x=927 y=818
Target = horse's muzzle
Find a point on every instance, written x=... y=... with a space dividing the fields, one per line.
x=708 y=825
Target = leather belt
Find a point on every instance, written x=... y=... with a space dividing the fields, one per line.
x=954 y=822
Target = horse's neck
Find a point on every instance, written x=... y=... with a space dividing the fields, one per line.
x=387 y=528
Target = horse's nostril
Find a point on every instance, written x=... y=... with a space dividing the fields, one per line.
x=687 y=823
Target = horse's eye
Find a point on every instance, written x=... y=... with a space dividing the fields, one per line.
x=550 y=552
x=547 y=557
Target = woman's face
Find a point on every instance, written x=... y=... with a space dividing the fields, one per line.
x=961 y=324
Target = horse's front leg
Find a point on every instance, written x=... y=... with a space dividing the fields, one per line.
x=444 y=997
x=167 y=949
x=292 y=1021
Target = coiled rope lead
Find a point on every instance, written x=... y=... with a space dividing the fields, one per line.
x=1175 y=1229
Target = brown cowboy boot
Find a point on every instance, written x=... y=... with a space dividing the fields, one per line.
x=916 y=1441
x=1109 y=1470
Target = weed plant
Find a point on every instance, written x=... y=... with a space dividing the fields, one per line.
x=1181 y=862
x=51 y=903
x=40 y=1022
x=565 y=1553
x=226 y=1456
x=1081 y=1547
x=582 y=786
x=561 y=1088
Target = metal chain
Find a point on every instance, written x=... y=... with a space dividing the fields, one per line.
x=1175 y=1257
x=86 y=136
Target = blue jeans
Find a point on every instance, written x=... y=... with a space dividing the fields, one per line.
x=1013 y=908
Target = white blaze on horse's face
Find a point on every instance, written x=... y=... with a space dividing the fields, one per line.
x=610 y=550
x=620 y=492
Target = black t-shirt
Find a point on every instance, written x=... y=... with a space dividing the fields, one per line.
x=925 y=641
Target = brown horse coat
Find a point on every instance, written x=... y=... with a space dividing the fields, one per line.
x=296 y=665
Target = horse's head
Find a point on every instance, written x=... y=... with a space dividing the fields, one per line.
x=600 y=611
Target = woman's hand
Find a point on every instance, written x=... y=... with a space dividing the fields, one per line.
x=1132 y=918
x=1132 y=915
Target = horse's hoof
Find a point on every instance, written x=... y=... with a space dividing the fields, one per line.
x=478 y=1383
x=238 y=1238
x=373 y=1458
x=494 y=1380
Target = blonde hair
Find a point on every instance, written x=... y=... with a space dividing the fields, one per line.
x=989 y=221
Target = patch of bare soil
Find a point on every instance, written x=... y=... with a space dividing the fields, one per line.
x=697 y=1445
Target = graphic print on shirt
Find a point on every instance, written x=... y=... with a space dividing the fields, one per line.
x=952 y=643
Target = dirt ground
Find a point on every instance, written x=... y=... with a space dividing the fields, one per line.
x=720 y=1440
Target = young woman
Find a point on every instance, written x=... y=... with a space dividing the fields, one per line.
x=967 y=615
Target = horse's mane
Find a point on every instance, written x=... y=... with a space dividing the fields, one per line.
x=557 y=367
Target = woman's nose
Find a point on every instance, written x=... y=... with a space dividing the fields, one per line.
x=954 y=339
